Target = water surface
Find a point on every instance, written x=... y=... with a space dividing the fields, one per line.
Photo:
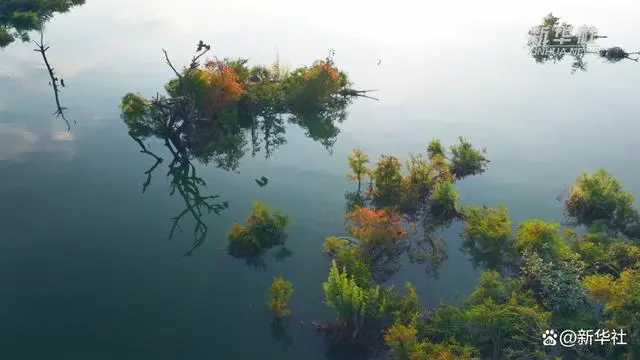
x=85 y=267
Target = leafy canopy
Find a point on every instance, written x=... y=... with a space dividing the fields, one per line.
x=487 y=237
x=598 y=201
x=279 y=295
x=354 y=305
x=421 y=191
x=19 y=17
x=264 y=230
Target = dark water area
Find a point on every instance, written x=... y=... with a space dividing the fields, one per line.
x=86 y=270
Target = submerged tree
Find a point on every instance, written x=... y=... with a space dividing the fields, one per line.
x=621 y=300
x=364 y=309
x=356 y=306
x=542 y=276
x=211 y=108
x=554 y=41
x=264 y=230
x=598 y=201
x=215 y=109
x=487 y=237
x=279 y=295
x=416 y=203
x=563 y=269
x=499 y=319
x=19 y=17
x=404 y=344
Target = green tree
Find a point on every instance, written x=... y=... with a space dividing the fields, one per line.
x=435 y=148
x=406 y=308
x=492 y=285
x=466 y=160
x=358 y=161
x=404 y=344
x=349 y=257
x=19 y=17
x=605 y=254
x=560 y=288
x=334 y=245
x=507 y=331
x=444 y=204
x=354 y=265
x=355 y=306
x=598 y=201
x=487 y=237
x=388 y=191
x=621 y=299
x=540 y=237
x=279 y=295
x=264 y=230
x=498 y=319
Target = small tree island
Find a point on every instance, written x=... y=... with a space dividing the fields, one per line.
x=215 y=109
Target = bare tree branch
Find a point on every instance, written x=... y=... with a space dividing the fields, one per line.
x=42 y=49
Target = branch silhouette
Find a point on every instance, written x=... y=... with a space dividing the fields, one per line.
x=42 y=49
x=209 y=111
x=184 y=180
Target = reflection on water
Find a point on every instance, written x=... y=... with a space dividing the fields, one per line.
x=24 y=16
x=62 y=136
x=212 y=110
x=83 y=274
x=15 y=139
x=55 y=82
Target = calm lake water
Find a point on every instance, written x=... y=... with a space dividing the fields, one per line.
x=86 y=271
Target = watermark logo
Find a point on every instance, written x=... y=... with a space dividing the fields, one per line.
x=570 y=338
x=562 y=39
x=549 y=338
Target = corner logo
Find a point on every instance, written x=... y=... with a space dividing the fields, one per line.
x=549 y=338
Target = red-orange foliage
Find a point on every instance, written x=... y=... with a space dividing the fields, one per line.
x=373 y=225
x=220 y=84
x=321 y=68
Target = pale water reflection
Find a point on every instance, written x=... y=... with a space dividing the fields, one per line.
x=15 y=139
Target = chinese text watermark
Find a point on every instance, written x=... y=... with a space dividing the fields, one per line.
x=562 y=39
x=570 y=338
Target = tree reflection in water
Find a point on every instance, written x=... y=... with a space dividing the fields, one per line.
x=215 y=110
x=18 y=18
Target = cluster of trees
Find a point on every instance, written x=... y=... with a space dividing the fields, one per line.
x=211 y=108
x=421 y=196
x=544 y=275
x=215 y=110
x=583 y=274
